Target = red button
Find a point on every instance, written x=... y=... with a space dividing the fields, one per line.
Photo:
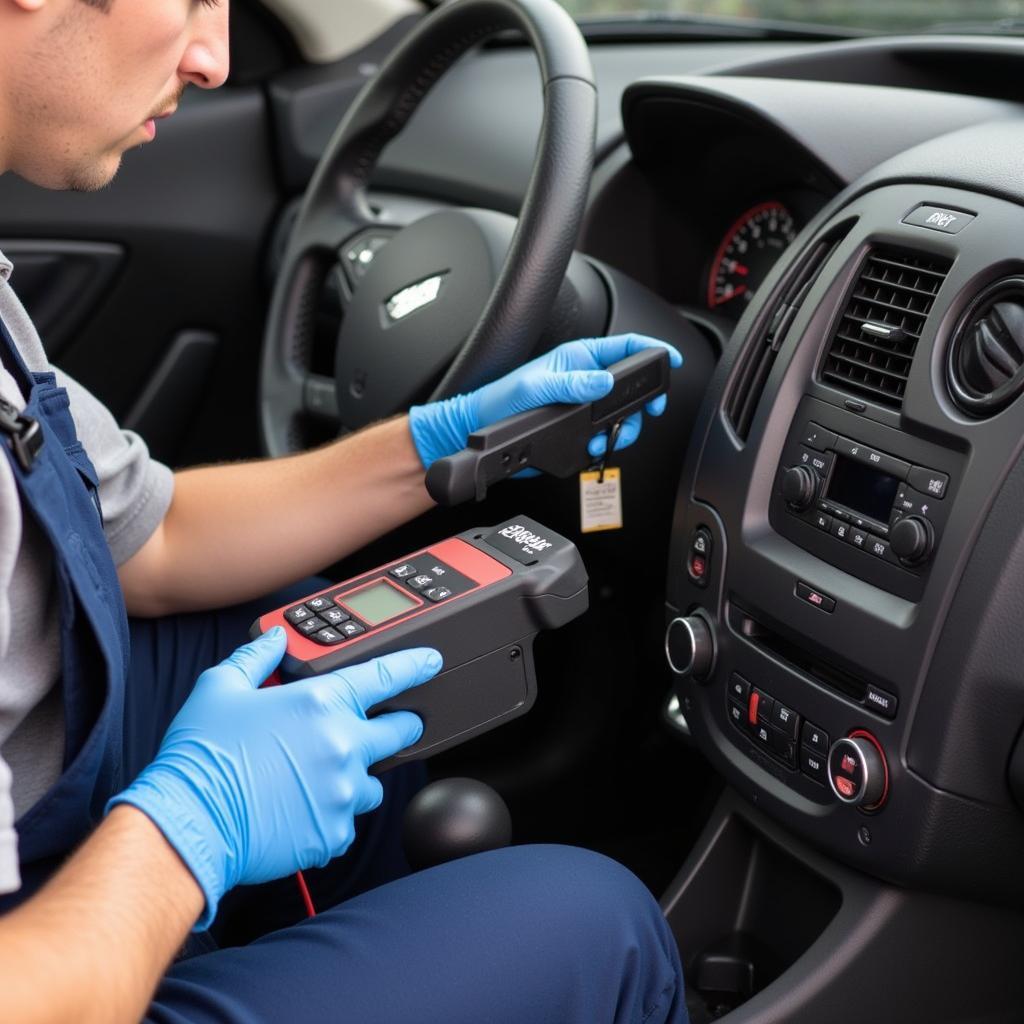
x=848 y=764
x=845 y=786
x=755 y=700
x=698 y=567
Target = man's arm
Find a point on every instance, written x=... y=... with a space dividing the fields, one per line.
x=94 y=942
x=236 y=531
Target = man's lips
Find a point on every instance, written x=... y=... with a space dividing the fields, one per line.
x=149 y=127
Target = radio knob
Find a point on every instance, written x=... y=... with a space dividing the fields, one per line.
x=912 y=539
x=857 y=771
x=799 y=485
x=690 y=647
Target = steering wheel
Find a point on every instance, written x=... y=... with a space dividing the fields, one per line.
x=457 y=298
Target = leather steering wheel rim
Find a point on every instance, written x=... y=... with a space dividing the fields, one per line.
x=334 y=208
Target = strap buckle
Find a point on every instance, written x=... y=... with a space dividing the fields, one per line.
x=26 y=436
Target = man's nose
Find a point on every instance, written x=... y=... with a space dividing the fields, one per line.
x=206 y=60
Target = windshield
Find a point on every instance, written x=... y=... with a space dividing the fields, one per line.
x=856 y=15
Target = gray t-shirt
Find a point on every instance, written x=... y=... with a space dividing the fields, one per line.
x=135 y=492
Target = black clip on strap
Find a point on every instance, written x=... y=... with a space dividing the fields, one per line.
x=26 y=437
x=553 y=438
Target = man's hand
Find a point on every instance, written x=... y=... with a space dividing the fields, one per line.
x=252 y=784
x=570 y=374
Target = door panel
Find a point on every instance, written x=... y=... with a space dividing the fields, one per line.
x=188 y=216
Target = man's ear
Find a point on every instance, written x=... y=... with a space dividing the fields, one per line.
x=27 y=5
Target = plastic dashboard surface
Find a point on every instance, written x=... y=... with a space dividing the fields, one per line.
x=950 y=713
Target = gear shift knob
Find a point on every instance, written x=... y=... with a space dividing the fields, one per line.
x=453 y=818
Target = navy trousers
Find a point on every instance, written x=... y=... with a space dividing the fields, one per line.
x=526 y=935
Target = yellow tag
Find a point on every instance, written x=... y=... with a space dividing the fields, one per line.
x=601 y=503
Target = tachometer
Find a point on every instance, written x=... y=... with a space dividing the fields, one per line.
x=748 y=251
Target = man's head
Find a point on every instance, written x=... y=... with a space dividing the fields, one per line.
x=81 y=81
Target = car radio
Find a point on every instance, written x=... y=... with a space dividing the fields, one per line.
x=884 y=506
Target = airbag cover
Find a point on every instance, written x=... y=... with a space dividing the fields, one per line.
x=414 y=309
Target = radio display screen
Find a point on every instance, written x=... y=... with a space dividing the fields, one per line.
x=862 y=489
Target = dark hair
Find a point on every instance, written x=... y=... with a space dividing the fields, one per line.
x=100 y=5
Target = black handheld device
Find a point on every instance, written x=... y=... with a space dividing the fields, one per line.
x=480 y=598
x=552 y=438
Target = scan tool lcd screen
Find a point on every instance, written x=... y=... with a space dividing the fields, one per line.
x=862 y=489
x=378 y=602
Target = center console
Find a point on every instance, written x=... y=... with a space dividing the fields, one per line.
x=847 y=559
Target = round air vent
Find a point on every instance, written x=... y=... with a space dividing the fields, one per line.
x=985 y=370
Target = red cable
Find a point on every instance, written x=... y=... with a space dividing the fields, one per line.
x=274 y=679
x=306 y=898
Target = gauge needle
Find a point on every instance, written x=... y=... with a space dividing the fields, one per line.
x=731 y=294
x=739 y=268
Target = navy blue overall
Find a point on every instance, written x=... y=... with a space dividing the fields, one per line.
x=528 y=934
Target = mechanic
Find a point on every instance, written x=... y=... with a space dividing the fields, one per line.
x=104 y=883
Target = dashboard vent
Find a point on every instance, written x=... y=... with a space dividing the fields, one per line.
x=757 y=361
x=985 y=369
x=873 y=346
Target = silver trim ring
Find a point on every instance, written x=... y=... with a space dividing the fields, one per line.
x=693 y=647
x=859 y=798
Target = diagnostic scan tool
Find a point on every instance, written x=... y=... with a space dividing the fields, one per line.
x=479 y=598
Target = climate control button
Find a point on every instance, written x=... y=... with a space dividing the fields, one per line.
x=857 y=771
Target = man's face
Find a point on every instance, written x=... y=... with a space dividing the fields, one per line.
x=81 y=81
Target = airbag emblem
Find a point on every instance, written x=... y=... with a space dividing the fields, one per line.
x=413 y=297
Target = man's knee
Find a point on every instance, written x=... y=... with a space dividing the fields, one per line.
x=596 y=918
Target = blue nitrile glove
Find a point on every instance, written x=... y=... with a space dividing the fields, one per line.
x=250 y=785
x=570 y=374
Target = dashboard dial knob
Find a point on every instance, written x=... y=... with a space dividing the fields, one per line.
x=912 y=539
x=857 y=771
x=799 y=485
x=690 y=646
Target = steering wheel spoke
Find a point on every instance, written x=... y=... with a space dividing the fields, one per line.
x=320 y=399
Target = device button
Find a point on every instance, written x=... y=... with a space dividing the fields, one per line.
x=841 y=529
x=818 y=461
x=812 y=764
x=762 y=703
x=879 y=548
x=936 y=218
x=296 y=615
x=857 y=770
x=881 y=701
x=763 y=735
x=782 y=745
x=318 y=604
x=815 y=597
x=928 y=481
x=888 y=464
x=786 y=720
x=821 y=520
x=753 y=706
x=739 y=689
x=419 y=582
x=818 y=437
x=328 y=636
x=311 y=625
x=437 y=593
x=851 y=449
x=857 y=537
x=335 y=616
x=814 y=737
x=737 y=715
x=401 y=571
x=350 y=629
x=698 y=562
